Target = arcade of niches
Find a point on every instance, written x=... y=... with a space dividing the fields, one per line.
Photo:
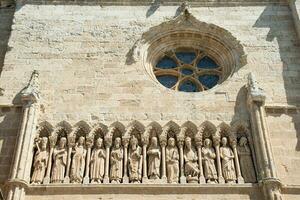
x=181 y=56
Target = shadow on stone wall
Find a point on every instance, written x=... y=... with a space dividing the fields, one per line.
x=289 y=48
x=6 y=20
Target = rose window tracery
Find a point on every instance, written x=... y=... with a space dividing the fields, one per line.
x=187 y=70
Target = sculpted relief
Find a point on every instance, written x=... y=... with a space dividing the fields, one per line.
x=174 y=155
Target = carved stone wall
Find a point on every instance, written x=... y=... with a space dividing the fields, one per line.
x=143 y=154
x=86 y=55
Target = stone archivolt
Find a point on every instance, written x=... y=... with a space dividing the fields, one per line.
x=143 y=154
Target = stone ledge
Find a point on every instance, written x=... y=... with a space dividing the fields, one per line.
x=142 y=189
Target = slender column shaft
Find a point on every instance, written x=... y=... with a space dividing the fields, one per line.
x=201 y=176
x=219 y=166
x=106 y=174
x=86 y=179
x=145 y=176
x=49 y=165
x=181 y=161
x=67 y=177
x=125 y=176
x=237 y=166
x=163 y=173
x=261 y=142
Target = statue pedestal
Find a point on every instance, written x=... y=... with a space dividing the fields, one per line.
x=125 y=179
x=240 y=180
x=221 y=180
x=106 y=180
x=182 y=179
x=86 y=180
x=192 y=179
x=155 y=181
x=67 y=179
x=202 y=180
x=46 y=180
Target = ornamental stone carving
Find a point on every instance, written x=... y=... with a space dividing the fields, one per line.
x=227 y=157
x=135 y=161
x=246 y=162
x=59 y=161
x=173 y=154
x=172 y=160
x=154 y=156
x=98 y=162
x=116 y=162
x=209 y=167
x=40 y=161
x=78 y=161
x=191 y=162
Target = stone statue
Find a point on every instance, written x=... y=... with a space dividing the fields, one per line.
x=227 y=157
x=78 y=161
x=153 y=159
x=209 y=167
x=172 y=161
x=59 y=161
x=40 y=161
x=116 y=162
x=191 y=165
x=98 y=162
x=135 y=161
x=246 y=163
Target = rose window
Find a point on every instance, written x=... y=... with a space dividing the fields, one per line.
x=187 y=70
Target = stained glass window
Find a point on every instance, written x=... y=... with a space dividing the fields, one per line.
x=188 y=71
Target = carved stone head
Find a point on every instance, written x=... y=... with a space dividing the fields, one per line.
x=171 y=142
x=133 y=142
x=154 y=141
x=243 y=141
x=188 y=142
x=80 y=141
x=224 y=141
x=117 y=142
x=99 y=143
x=62 y=142
x=207 y=143
x=44 y=143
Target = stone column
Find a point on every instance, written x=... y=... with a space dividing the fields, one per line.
x=240 y=179
x=125 y=142
x=163 y=143
x=198 y=140
x=216 y=141
x=108 y=143
x=271 y=185
x=89 y=144
x=52 y=141
x=20 y=174
x=71 y=144
x=181 y=160
x=145 y=141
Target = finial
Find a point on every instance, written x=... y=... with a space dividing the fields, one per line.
x=185 y=9
x=254 y=91
x=32 y=92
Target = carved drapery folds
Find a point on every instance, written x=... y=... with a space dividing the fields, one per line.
x=96 y=154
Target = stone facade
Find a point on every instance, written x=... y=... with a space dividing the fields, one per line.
x=94 y=72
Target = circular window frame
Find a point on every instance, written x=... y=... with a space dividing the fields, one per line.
x=180 y=65
x=185 y=31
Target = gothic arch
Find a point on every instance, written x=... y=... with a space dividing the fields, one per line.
x=82 y=128
x=207 y=130
x=99 y=130
x=44 y=129
x=63 y=128
x=134 y=125
x=116 y=129
x=190 y=129
x=171 y=129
